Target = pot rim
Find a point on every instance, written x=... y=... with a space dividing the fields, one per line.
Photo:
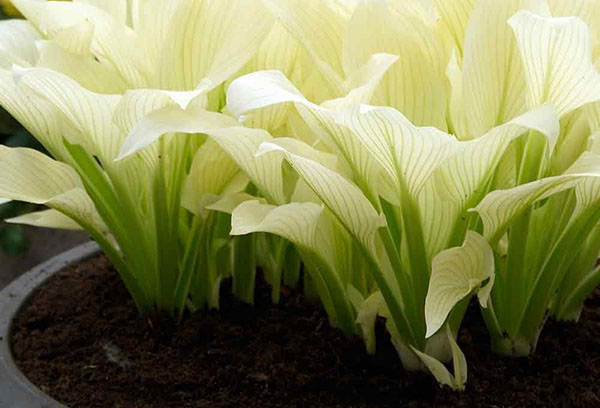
x=15 y=389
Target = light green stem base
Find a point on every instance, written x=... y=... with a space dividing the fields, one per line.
x=513 y=347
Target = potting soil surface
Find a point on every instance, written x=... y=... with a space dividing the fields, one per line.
x=81 y=340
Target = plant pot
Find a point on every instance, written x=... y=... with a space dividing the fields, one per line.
x=15 y=389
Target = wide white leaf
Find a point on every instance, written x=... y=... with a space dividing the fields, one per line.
x=319 y=26
x=462 y=180
x=211 y=172
x=37 y=115
x=407 y=153
x=454 y=18
x=75 y=25
x=297 y=222
x=340 y=195
x=499 y=207
x=31 y=176
x=88 y=72
x=89 y=113
x=457 y=273
x=206 y=42
x=455 y=381
x=17 y=43
x=557 y=59
x=416 y=84
x=493 y=79
x=47 y=219
x=171 y=119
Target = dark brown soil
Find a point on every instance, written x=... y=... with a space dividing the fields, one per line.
x=81 y=341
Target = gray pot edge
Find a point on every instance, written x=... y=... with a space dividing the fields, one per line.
x=16 y=391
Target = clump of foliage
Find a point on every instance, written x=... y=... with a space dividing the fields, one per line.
x=79 y=76
x=409 y=154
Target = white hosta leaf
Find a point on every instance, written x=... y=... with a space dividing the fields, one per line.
x=229 y=202
x=454 y=18
x=296 y=222
x=88 y=72
x=116 y=8
x=17 y=43
x=361 y=84
x=474 y=161
x=493 y=80
x=46 y=219
x=76 y=39
x=206 y=42
x=499 y=208
x=367 y=311
x=407 y=153
x=341 y=196
x=31 y=176
x=212 y=170
x=170 y=119
x=455 y=381
x=239 y=142
x=259 y=90
x=279 y=51
x=416 y=83
x=89 y=113
x=455 y=274
x=264 y=172
x=306 y=225
x=271 y=88
x=319 y=26
x=37 y=115
x=462 y=180
x=557 y=60
x=586 y=10
x=71 y=24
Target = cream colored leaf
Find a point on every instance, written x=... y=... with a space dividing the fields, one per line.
x=499 y=207
x=557 y=59
x=206 y=42
x=47 y=219
x=455 y=274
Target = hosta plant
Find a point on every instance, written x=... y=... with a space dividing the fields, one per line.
x=79 y=76
x=482 y=105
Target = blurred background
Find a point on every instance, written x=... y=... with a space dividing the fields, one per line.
x=22 y=247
